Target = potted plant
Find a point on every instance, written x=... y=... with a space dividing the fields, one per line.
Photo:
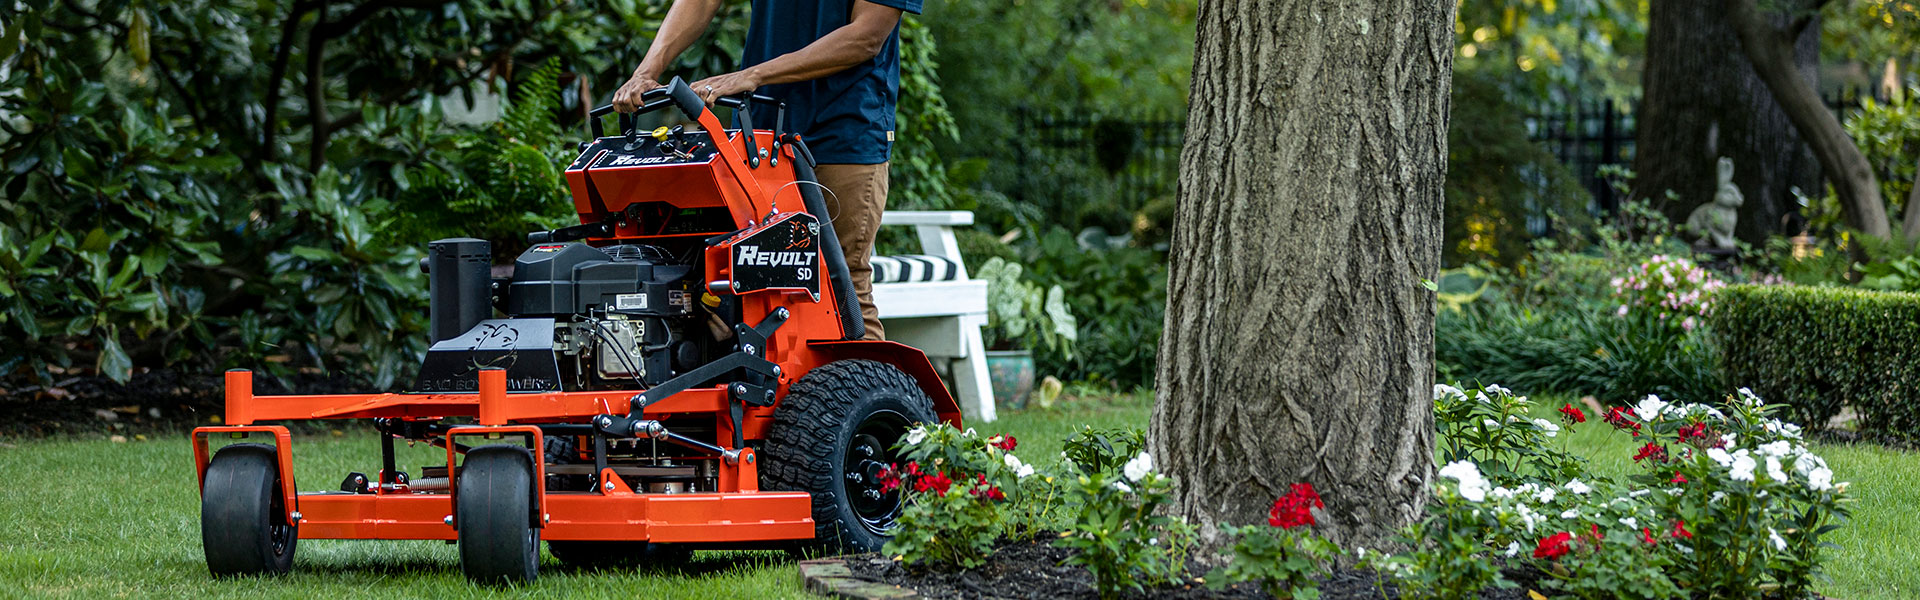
x=1021 y=317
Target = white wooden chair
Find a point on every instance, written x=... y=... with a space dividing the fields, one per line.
x=927 y=301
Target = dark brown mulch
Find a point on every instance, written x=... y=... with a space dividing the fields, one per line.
x=1034 y=570
x=150 y=402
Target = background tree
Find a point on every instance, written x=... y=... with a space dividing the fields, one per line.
x=1299 y=341
x=1703 y=100
x=1768 y=36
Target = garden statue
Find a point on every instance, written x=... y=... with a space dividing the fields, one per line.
x=1715 y=220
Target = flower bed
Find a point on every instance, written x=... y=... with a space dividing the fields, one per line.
x=1729 y=503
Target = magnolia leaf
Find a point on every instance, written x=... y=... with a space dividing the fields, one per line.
x=113 y=360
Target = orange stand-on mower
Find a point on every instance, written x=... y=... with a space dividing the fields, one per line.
x=681 y=370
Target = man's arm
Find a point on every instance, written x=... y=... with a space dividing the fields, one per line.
x=858 y=41
x=686 y=21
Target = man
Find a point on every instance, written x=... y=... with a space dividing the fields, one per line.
x=836 y=63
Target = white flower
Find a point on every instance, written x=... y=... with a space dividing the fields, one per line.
x=971 y=433
x=1748 y=395
x=1013 y=462
x=1441 y=390
x=1505 y=494
x=1138 y=467
x=1551 y=429
x=1630 y=522
x=1715 y=499
x=1820 y=479
x=1720 y=456
x=916 y=435
x=1571 y=513
x=1775 y=449
x=1545 y=495
x=1638 y=493
x=1123 y=487
x=1473 y=487
x=1742 y=469
x=1773 y=470
x=1512 y=548
x=1490 y=423
x=1495 y=388
x=1650 y=408
x=1779 y=543
x=1153 y=541
x=1729 y=441
x=1578 y=488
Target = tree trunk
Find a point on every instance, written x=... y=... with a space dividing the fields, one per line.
x=1701 y=101
x=1770 y=49
x=1299 y=340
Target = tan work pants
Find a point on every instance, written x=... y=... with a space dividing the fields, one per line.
x=859 y=196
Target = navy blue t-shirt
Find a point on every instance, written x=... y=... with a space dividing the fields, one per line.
x=846 y=117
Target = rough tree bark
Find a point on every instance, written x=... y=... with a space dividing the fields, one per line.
x=1770 y=49
x=1701 y=101
x=1299 y=340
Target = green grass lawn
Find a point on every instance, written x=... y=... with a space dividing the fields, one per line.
x=91 y=518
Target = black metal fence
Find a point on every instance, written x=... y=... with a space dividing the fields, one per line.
x=1595 y=133
x=1139 y=155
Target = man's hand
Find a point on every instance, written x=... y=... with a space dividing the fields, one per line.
x=735 y=83
x=627 y=99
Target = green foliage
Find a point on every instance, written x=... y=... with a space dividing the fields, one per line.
x=1819 y=350
x=1123 y=287
x=1099 y=450
x=1121 y=534
x=1889 y=135
x=1494 y=429
x=1286 y=562
x=1543 y=46
x=960 y=493
x=1497 y=178
x=1022 y=315
x=919 y=175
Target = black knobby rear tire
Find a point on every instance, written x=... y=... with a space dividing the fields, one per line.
x=831 y=433
x=493 y=511
x=597 y=554
x=243 y=526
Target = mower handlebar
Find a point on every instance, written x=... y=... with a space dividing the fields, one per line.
x=680 y=94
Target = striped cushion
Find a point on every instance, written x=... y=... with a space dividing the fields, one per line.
x=914 y=268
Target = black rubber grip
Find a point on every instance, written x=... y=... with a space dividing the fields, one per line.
x=852 y=323
x=684 y=97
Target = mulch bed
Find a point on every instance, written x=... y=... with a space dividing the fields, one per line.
x=150 y=402
x=1034 y=570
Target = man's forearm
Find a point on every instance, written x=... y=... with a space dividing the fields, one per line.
x=686 y=21
x=857 y=42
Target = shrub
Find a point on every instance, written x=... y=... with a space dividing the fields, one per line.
x=1820 y=349
x=1124 y=287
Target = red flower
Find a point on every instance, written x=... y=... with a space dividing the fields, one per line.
x=1619 y=418
x=1003 y=442
x=938 y=484
x=889 y=479
x=1680 y=530
x=1654 y=451
x=1647 y=535
x=982 y=489
x=1678 y=478
x=1295 y=508
x=913 y=469
x=995 y=494
x=1594 y=534
x=1572 y=415
x=1553 y=546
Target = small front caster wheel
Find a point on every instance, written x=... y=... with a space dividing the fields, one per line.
x=494 y=513
x=243 y=516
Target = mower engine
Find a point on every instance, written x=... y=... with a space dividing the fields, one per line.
x=578 y=317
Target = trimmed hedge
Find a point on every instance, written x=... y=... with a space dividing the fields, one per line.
x=1819 y=349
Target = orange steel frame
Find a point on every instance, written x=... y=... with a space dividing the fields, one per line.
x=738 y=512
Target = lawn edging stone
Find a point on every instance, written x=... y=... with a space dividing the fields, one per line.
x=832 y=578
